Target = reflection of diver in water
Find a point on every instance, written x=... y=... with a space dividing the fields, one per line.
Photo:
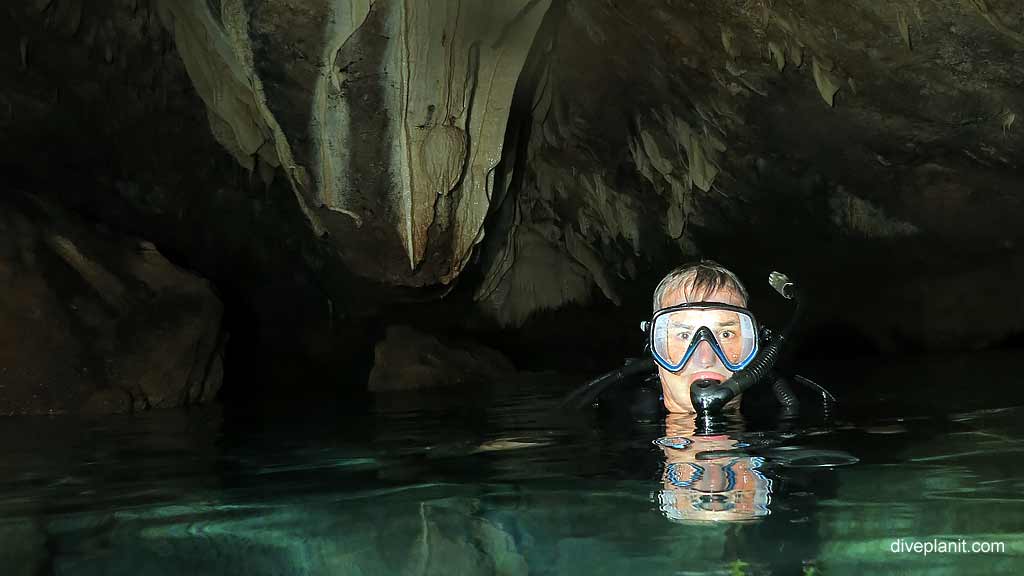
x=760 y=490
x=705 y=478
x=708 y=350
x=729 y=477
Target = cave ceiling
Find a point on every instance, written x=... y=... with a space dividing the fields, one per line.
x=559 y=150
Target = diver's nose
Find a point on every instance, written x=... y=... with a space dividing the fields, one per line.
x=705 y=355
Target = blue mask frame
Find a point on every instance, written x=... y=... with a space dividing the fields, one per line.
x=703 y=334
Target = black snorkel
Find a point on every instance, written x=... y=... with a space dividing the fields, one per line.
x=710 y=396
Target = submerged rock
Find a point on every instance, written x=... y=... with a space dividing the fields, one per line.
x=92 y=322
x=410 y=360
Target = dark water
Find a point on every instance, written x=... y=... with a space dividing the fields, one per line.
x=442 y=485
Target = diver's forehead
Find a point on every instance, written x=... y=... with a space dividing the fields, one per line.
x=698 y=317
x=680 y=295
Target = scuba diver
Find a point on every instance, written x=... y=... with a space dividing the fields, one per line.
x=727 y=425
x=708 y=350
x=701 y=331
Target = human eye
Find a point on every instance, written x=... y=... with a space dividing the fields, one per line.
x=727 y=334
x=683 y=334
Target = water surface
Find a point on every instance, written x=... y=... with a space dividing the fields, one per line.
x=442 y=485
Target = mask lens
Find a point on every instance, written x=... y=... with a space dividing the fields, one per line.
x=734 y=333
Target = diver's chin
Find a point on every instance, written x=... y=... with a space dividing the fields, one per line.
x=675 y=404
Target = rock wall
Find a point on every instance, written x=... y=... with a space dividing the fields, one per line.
x=870 y=150
x=541 y=155
x=127 y=141
x=92 y=322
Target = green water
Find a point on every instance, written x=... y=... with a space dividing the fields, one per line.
x=453 y=487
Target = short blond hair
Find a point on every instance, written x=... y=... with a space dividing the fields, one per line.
x=701 y=279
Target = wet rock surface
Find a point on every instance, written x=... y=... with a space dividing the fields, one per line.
x=409 y=360
x=94 y=322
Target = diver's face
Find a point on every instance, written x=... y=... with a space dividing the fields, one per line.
x=704 y=363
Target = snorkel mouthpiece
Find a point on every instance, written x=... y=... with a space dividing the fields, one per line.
x=709 y=396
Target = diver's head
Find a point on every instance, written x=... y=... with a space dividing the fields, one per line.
x=730 y=335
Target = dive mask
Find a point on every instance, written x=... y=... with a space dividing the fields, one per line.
x=675 y=332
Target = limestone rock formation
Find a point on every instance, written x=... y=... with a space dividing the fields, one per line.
x=387 y=118
x=869 y=149
x=97 y=323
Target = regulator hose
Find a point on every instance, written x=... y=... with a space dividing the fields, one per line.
x=588 y=393
x=784 y=394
